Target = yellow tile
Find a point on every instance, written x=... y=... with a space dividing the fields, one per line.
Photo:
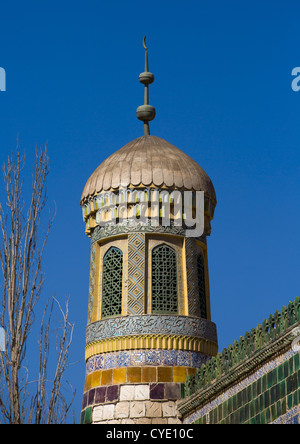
x=88 y=383
x=95 y=379
x=164 y=374
x=149 y=374
x=106 y=377
x=119 y=375
x=134 y=374
x=179 y=374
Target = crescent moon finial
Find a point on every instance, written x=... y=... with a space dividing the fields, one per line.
x=144 y=43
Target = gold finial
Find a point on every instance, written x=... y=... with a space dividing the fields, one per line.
x=146 y=112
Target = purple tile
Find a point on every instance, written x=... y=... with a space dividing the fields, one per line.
x=84 y=400
x=157 y=391
x=112 y=393
x=100 y=395
x=91 y=397
x=172 y=390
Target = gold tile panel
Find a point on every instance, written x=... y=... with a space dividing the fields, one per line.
x=133 y=375
x=161 y=342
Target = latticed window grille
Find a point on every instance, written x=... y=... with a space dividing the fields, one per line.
x=201 y=285
x=112 y=283
x=164 y=280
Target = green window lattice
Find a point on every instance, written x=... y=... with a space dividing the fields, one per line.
x=112 y=283
x=201 y=285
x=164 y=280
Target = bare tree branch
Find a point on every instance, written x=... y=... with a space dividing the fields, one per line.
x=23 y=241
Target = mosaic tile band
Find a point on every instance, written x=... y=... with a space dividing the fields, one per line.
x=136 y=375
x=113 y=393
x=151 y=324
x=147 y=358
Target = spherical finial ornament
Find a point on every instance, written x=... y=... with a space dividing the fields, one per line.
x=146 y=78
x=146 y=112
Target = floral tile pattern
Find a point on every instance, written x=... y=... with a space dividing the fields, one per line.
x=145 y=358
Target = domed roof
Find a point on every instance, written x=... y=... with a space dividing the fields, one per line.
x=149 y=161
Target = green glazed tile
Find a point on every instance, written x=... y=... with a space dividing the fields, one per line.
x=88 y=415
x=296 y=362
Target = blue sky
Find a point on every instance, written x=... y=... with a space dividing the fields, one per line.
x=222 y=93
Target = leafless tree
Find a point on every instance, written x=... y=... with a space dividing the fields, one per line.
x=26 y=395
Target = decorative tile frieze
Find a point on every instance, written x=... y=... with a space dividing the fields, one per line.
x=130 y=226
x=291 y=417
x=151 y=324
x=146 y=358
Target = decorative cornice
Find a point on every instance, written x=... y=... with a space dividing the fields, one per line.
x=151 y=325
x=154 y=342
x=130 y=226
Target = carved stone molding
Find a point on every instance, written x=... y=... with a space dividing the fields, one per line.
x=103 y=232
x=149 y=325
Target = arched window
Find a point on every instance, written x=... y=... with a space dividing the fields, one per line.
x=201 y=285
x=164 y=280
x=112 y=283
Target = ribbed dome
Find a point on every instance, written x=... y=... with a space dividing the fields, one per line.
x=149 y=160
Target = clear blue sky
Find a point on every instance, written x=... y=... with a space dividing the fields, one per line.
x=222 y=93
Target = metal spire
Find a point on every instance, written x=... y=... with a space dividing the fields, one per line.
x=146 y=112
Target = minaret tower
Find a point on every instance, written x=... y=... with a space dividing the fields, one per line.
x=149 y=320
